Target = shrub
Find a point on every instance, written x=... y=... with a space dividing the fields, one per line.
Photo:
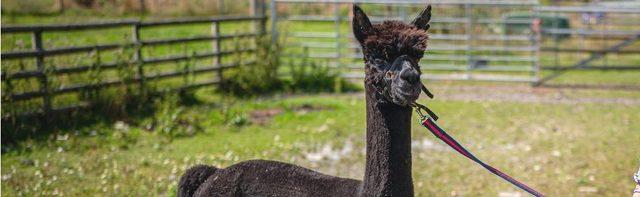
x=254 y=79
x=262 y=78
x=313 y=76
x=171 y=120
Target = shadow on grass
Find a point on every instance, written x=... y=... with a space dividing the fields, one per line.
x=132 y=109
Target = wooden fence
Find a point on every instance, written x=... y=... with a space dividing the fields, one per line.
x=39 y=52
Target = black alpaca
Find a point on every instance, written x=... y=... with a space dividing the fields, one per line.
x=392 y=51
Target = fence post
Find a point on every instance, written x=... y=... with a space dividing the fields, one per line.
x=257 y=8
x=274 y=21
x=215 y=32
x=536 y=27
x=221 y=7
x=469 y=28
x=137 y=56
x=36 y=41
x=263 y=17
x=336 y=10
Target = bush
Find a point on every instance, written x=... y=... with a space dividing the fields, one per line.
x=258 y=78
x=312 y=76
x=171 y=120
x=262 y=77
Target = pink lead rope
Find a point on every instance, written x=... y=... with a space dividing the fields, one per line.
x=429 y=123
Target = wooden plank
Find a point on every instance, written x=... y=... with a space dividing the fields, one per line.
x=63 y=70
x=70 y=70
x=185 y=21
x=22 y=74
x=61 y=51
x=196 y=56
x=113 y=24
x=79 y=87
x=196 y=38
x=65 y=27
x=68 y=50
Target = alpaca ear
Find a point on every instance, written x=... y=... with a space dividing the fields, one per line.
x=422 y=21
x=361 y=24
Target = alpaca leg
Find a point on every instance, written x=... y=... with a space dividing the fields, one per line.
x=193 y=178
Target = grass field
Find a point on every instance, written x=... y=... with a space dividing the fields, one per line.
x=562 y=142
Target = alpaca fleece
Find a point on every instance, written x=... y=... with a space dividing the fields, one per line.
x=394 y=38
x=265 y=178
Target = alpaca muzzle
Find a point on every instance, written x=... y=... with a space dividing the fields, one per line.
x=403 y=81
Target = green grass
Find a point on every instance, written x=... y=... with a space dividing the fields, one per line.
x=556 y=148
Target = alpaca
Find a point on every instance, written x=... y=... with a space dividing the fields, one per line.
x=392 y=51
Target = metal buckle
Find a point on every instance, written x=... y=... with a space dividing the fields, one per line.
x=430 y=114
x=422 y=116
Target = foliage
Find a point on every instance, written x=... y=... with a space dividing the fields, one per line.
x=262 y=77
x=311 y=76
x=171 y=120
x=258 y=78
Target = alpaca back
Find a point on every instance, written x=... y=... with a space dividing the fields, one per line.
x=272 y=178
x=193 y=178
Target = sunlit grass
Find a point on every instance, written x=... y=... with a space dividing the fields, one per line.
x=556 y=148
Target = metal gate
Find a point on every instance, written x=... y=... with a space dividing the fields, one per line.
x=603 y=36
x=469 y=40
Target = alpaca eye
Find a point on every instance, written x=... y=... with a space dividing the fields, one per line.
x=379 y=62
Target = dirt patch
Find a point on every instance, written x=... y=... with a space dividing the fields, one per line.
x=306 y=108
x=525 y=94
x=262 y=117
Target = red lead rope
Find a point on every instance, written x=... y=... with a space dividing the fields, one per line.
x=430 y=124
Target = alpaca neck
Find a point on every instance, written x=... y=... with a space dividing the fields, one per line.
x=388 y=168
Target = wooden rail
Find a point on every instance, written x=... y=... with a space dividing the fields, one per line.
x=43 y=74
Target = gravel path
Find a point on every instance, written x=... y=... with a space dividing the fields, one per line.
x=528 y=94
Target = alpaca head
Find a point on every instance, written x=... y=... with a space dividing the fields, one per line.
x=392 y=51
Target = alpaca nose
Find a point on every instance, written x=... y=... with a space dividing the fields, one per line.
x=409 y=74
x=407 y=71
